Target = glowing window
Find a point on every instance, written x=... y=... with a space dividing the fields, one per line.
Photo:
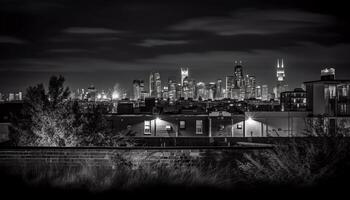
x=199 y=126
x=182 y=124
x=147 y=128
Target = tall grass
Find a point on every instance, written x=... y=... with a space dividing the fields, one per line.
x=299 y=164
x=121 y=175
x=296 y=164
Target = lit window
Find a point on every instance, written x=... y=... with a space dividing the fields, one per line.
x=332 y=91
x=182 y=124
x=239 y=126
x=168 y=127
x=147 y=130
x=199 y=126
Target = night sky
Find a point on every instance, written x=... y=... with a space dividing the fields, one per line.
x=107 y=42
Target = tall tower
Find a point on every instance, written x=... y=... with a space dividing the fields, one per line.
x=136 y=86
x=158 y=84
x=152 y=87
x=239 y=79
x=280 y=71
x=184 y=74
x=155 y=86
x=281 y=82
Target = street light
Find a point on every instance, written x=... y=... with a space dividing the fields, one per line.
x=250 y=120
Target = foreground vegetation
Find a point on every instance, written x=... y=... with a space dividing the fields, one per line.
x=296 y=165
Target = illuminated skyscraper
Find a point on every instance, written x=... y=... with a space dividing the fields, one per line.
x=178 y=91
x=142 y=86
x=281 y=84
x=211 y=87
x=172 y=90
x=184 y=74
x=165 y=92
x=239 y=79
x=136 y=87
x=219 y=88
x=155 y=85
x=258 y=92
x=201 y=91
x=229 y=85
x=11 y=97
x=158 y=85
x=152 y=85
x=280 y=71
x=252 y=82
x=264 y=93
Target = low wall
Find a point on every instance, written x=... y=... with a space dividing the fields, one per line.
x=43 y=156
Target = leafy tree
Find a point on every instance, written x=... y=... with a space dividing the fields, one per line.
x=49 y=120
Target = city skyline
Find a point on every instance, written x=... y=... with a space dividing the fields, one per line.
x=104 y=43
x=153 y=84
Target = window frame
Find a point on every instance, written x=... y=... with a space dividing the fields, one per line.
x=147 y=126
x=199 y=126
x=184 y=124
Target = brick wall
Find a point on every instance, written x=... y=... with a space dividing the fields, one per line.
x=105 y=156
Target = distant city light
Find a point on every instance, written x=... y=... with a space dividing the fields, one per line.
x=115 y=95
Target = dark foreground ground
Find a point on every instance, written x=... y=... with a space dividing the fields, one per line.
x=297 y=171
x=13 y=187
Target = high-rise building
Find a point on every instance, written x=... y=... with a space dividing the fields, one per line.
x=178 y=91
x=136 y=87
x=11 y=97
x=165 y=92
x=155 y=85
x=201 y=91
x=219 y=88
x=191 y=88
x=239 y=78
x=280 y=71
x=152 y=85
x=142 y=86
x=211 y=87
x=185 y=87
x=264 y=93
x=247 y=86
x=158 y=85
x=250 y=85
x=229 y=86
x=281 y=83
x=239 y=90
x=172 y=90
x=184 y=74
x=258 y=92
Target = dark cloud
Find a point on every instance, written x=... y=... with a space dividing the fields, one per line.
x=161 y=42
x=257 y=22
x=89 y=30
x=11 y=40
